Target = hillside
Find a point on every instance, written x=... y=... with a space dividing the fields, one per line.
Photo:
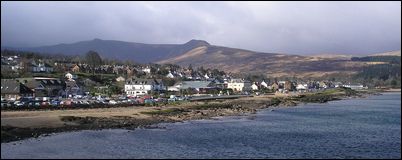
x=391 y=53
x=200 y=53
x=138 y=52
x=244 y=61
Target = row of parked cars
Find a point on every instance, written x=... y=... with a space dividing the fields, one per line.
x=62 y=102
x=86 y=101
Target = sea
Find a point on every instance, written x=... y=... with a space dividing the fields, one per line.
x=352 y=128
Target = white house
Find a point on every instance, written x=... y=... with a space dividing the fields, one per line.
x=196 y=85
x=254 y=87
x=120 y=79
x=69 y=76
x=170 y=75
x=263 y=83
x=180 y=74
x=239 y=85
x=338 y=84
x=302 y=87
x=355 y=86
x=147 y=70
x=137 y=86
x=206 y=76
x=41 y=67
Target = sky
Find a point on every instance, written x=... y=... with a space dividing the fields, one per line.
x=273 y=27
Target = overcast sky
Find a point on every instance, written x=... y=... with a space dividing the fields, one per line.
x=279 y=27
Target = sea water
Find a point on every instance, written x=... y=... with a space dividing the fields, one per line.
x=353 y=128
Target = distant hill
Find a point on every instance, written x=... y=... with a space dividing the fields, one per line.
x=245 y=61
x=391 y=53
x=201 y=53
x=138 y=52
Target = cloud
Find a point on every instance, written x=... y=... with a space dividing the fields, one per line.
x=284 y=27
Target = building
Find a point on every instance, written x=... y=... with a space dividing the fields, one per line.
x=196 y=86
x=44 y=87
x=264 y=84
x=137 y=86
x=75 y=68
x=70 y=76
x=274 y=86
x=72 y=89
x=254 y=87
x=301 y=87
x=11 y=90
x=206 y=76
x=239 y=85
x=355 y=86
x=41 y=67
x=146 y=69
x=170 y=75
x=120 y=79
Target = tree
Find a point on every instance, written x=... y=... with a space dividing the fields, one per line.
x=169 y=81
x=190 y=67
x=93 y=59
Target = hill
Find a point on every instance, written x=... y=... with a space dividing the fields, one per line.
x=244 y=61
x=200 y=53
x=120 y=50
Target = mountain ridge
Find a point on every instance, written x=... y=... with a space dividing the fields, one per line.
x=201 y=53
x=121 y=50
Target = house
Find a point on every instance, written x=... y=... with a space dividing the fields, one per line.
x=355 y=86
x=274 y=86
x=41 y=67
x=188 y=75
x=196 y=86
x=170 y=75
x=206 y=76
x=72 y=89
x=146 y=69
x=323 y=84
x=254 y=87
x=44 y=87
x=70 y=76
x=75 y=68
x=264 y=84
x=221 y=84
x=239 y=85
x=8 y=65
x=12 y=90
x=120 y=79
x=301 y=87
x=289 y=86
x=180 y=74
x=137 y=86
x=117 y=69
x=337 y=84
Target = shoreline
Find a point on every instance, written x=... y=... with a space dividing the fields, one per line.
x=147 y=117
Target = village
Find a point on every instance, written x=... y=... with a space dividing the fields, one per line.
x=58 y=84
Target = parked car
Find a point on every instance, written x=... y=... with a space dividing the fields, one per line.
x=55 y=103
x=19 y=103
x=112 y=102
x=149 y=101
x=161 y=100
x=171 y=99
x=44 y=103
